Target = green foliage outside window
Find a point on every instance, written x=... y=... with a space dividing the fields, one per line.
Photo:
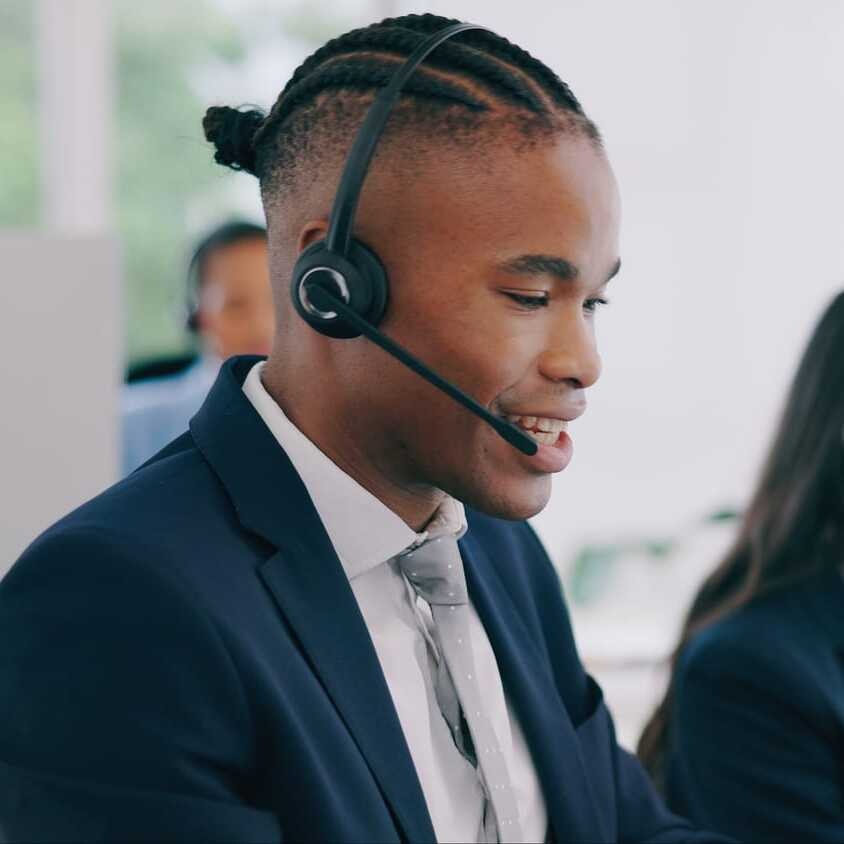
x=163 y=163
x=18 y=105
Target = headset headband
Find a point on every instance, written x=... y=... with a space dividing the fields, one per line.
x=357 y=164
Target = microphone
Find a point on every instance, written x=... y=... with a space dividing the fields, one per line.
x=325 y=301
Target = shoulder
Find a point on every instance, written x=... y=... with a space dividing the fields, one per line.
x=133 y=569
x=771 y=649
x=113 y=655
x=770 y=632
x=102 y=543
x=100 y=585
x=746 y=642
x=157 y=524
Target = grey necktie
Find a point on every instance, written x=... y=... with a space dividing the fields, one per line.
x=435 y=570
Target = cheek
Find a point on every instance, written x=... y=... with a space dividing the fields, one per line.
x=462 y=333
x=499 y=351
x=227 y=327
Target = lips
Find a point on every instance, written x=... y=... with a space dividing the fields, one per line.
x=558 y=414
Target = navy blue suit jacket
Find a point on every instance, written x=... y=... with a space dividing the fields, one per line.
x=757 y=746
x=183 y=658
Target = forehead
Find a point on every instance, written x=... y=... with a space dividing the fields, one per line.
x=243 y=262
x=558 y=197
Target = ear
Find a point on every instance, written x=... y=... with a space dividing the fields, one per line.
x=311 y=232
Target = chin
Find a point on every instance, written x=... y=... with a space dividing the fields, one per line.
x=514 y=502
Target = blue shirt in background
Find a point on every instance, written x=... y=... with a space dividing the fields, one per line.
x=156 y=411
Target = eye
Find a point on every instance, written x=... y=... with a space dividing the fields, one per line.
x=592 y=305
x=531 y=301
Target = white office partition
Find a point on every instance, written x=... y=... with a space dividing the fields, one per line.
x=60 y=354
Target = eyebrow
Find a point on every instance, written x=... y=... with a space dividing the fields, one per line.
x=549 y=265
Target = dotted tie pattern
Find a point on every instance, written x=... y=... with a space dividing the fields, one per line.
x=435 y=570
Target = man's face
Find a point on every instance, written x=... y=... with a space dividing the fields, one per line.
x=236 y=314
x=496 y=270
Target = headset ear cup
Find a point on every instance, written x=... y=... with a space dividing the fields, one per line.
x=362 y=275
x=371 y=270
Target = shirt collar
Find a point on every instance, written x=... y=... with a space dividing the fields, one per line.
x=363 y=530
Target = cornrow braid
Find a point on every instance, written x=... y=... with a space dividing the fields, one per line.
x=560 y=93
x=451 y=56
x=460 y=83
x=363 y=74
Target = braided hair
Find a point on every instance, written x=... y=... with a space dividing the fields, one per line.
x=477 y=78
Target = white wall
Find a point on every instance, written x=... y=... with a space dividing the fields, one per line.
x=60 y=359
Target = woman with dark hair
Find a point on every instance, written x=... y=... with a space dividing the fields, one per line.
x=749 y=739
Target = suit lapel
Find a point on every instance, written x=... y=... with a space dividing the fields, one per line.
x=310 y=587
x=315 y=597
x=529 y=685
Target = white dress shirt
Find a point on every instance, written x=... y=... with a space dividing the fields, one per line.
x=367 y=536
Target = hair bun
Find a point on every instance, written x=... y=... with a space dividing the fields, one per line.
x=231 y=131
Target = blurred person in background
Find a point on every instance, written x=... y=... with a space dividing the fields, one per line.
x=749 y=738
x=230 y=310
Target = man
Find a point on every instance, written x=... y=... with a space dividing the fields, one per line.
x=230 y=311
x=265 y=634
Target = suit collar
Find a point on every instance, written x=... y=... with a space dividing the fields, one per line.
x=267 y=494
x=309 y=586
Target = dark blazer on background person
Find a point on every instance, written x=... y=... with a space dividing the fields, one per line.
x=757 y=728
x=183 y=658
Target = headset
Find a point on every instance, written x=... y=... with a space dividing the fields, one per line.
x=339 y=285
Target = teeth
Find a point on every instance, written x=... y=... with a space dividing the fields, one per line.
x=550 y=425
x=544 y=437
x=548 y=430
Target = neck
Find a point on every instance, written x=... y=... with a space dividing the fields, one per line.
x=355 y=450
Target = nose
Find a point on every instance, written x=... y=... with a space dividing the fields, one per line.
x=571 y=352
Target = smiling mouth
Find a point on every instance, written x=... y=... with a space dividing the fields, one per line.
x=544 y=430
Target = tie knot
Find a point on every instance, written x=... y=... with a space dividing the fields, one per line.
x=436 y=571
